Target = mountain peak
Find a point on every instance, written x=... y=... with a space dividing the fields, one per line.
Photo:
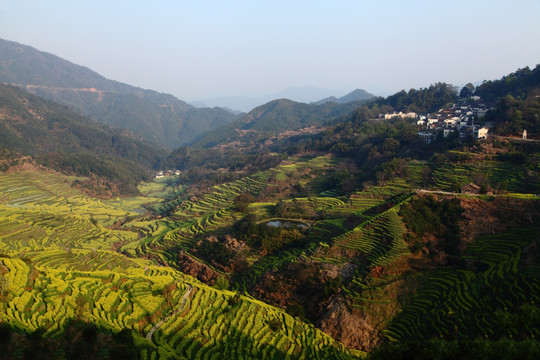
x=355 y=95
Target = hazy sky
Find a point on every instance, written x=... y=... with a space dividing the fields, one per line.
x=201 y=49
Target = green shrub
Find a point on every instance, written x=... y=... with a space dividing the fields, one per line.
x=222 y=283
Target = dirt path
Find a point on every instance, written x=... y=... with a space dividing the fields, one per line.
x=32 y=88
x=442 y=192
x=183 y=303
x=516 y=138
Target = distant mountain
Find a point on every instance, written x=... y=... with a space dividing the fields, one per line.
x=273 y=118
x=235 y=112
x=236 y=103
x=355 y=95
x=62 y=139
x=305 y=94
x=160 y=118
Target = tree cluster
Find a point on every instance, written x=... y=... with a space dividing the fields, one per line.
x=517 y=84
x=423 y=100
x=125 y=174
x=190 y=160
x=437 y=218
x=264 y=237
x=515 y=115
x=214 y=251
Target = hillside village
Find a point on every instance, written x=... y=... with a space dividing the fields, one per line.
x=458 y=118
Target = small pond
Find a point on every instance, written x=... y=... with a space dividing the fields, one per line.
x=287 y=224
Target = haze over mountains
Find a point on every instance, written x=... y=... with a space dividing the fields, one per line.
x=355 y=95
x=273 y=118
x=160 y=118
x=304 y=94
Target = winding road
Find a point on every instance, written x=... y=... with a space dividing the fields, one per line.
x=182 y=305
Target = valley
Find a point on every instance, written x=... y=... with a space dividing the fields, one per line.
x=329 y=230
x=349 y=272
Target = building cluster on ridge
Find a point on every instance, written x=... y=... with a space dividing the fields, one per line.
x=457 y=118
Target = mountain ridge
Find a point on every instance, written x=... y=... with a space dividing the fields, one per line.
x=160 y=118
x=355 y=95
x=272 y=118
x=303 y=94
x=63 y=140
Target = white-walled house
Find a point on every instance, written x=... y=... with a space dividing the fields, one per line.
x=426 y=136
x=400 y=114
x=480 y=132
x=481 y=112
x=433 y=121
x=452 y=122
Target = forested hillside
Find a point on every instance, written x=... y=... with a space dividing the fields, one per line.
x=340 y=261
x=59 y=138
x=269 y=120
x=518 y=84
x=160 y=118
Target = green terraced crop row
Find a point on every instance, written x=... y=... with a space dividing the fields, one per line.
x=52 y=193
x=208 y=324
x=30 y=229
x=478 y=301
x=222 y=196
x=209 y=212
x=85 y=260
x=391 y=188
x=381 y=242
x=448 y=175
x=327 y=204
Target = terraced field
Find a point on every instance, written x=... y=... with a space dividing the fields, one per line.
x=209 y=212
x=29 y=230
x=86 y=260
x=511 y=177
x=490 y=298
x=41 y=211
x=56 y=256
x=377 y=241
x=222 y=196
x=49 y=192
x=380 y=240
x=66 y=255
x=211 y=323
x=199 y=332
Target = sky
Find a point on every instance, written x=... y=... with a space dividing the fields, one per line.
x=197 y=50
